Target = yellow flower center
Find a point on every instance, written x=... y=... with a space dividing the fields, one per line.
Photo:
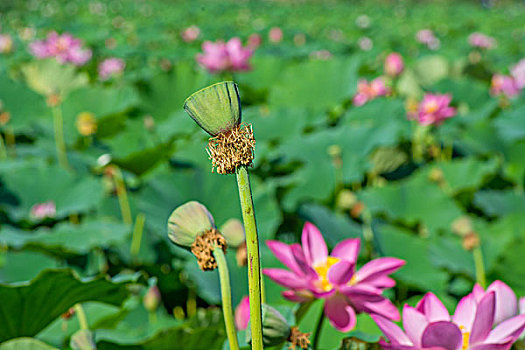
x=431 y=107
x=466 y=338
x=322 y=271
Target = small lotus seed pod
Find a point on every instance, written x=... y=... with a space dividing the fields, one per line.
x=216 y=108
x=233 y=231
x=462 y=226
x=187 y=222
x=151 y=299
x=346 y=199
x=82 y=340
x=275 y=328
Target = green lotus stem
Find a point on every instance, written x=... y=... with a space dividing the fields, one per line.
x=479 y=266
x=122 y=195
x=81 y=315
x=227 y=310
x=3 y=151
x=252 y=246
x=368 y=232
x=318 y=329
x=152 y=317
x=136 y=238
x=60 y=144
x=191 y=303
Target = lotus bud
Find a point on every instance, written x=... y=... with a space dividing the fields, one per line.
x=233 y=231
x=187 y=222
x=216 y=108
x=242 y=314
x=151 y=299
x=82 y=340
x=275 y=328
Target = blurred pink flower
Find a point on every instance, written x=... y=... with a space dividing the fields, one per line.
x=315 y=274
x=434 y=109
x=275 y=35
x=254 y=41
x=190 y=34
x=504 y=85
x=365 y=43
x=221 y=56
x=242 y=314
x=368 y=91
x=65 y=48
x=481 y=40
x=44 y=210
x=6 y=43
x=427 y=37
x=110 y=66
x=394 y=64
x=429 y=326
x=518 y=73
x=522 y=305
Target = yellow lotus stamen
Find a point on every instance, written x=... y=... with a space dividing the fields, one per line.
x=322 y=271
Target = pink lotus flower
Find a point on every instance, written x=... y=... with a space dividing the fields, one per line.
x=190 y=34
x=434 y=109
x=368 y=91
x=315 y=274
x=242 y=314
x=275 y=35
x=221 y=56
x=6 y=43
x=110 y=66
x=522 y=305
x=481 y=40
x=504 y=85
x=427 y=37
x=65 y=48
x=429 y=326
x=518 y=73
x=43 y=210
x=506 y=301
x=394 y=64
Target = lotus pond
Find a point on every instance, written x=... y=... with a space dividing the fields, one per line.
x=275 y=174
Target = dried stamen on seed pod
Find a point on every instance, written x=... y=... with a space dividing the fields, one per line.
x=232 y=149
x=203 y=247
x=298 y=339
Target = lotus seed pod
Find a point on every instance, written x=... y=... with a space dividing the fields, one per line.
x=462 y=226
x=82 y=340
x=346 y=199
x=151 y=299
x=275 y=328
x=216 y=108
x=188 y=221
x=233 y=231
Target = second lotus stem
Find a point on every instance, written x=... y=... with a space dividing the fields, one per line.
x=227 y=309
x=252 y=245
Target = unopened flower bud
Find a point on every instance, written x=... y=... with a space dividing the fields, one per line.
x=187 y=222
x=4 y=117
x=151 y=299
x=357 y=209
x=216 y=108
x=233 y=231
x=242 y=314
x=275 y=328
x=82 y=340
x=241 y=255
